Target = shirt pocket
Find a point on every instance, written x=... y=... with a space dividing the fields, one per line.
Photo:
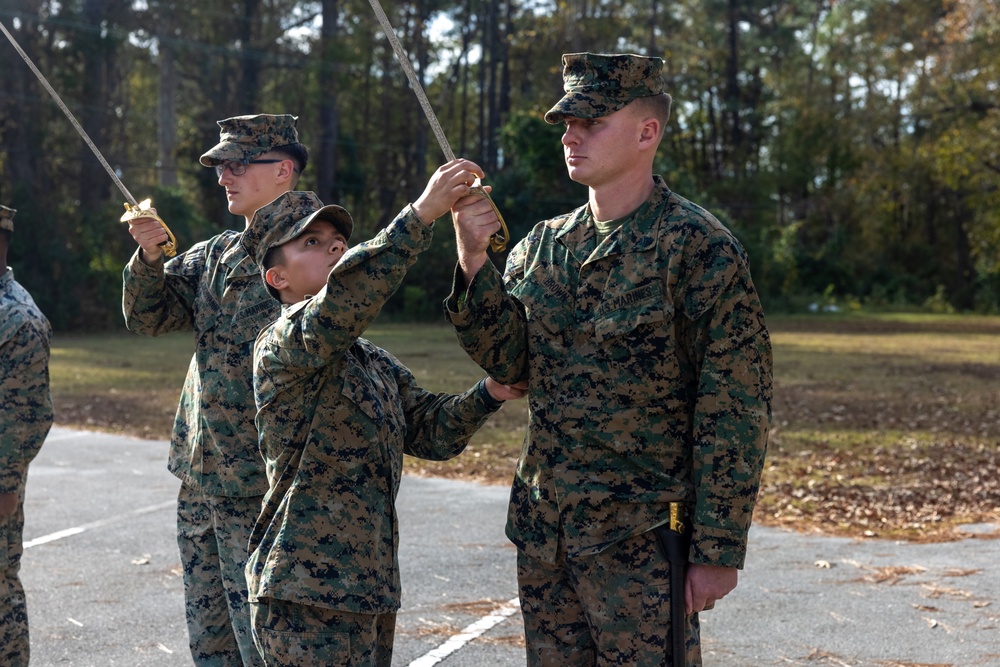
x=635 y=333
x=374 y=424
x=546 y=302
x=359 y=390
x=253 y=312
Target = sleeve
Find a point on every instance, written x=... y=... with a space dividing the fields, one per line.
x=491 y=325
x=731 y=348
x=360 y=284
x=438 y=426
x=160 y=298
x=27 y=404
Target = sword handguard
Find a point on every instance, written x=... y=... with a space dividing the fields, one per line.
x=674 y=539
x=498 y=242
x=676 y=521
x=144 y=209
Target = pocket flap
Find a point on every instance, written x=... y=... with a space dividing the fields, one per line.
x=621 y=314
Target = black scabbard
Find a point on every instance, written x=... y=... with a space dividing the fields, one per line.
x=674 y=540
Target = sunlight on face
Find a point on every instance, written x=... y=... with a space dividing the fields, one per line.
x=306 y=260
x=598 y=150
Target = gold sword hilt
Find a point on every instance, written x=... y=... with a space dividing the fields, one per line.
x=144 y=209
x=498 y=242
x=676 y=521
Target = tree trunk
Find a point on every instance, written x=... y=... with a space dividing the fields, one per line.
x=467 y=31
x=504 y=104
x=654 y=11
x=94 y=51
x=483 y=94
x=22 y=122
x=166 y=126
x=732 y=99
x=329 y=117
x=422 y=125
x=250 y=64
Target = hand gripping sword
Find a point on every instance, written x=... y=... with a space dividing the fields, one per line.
x=498 y=242
x=133 y=209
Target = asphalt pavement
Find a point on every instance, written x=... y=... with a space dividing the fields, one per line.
x=104 y=587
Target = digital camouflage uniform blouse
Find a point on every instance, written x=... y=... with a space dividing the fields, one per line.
x=215 y=290
x=336 y=414
x=649 y=367
x=26 y=414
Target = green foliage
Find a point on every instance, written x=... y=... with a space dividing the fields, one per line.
x=417 y=306
x=533 y=184
x=853 y=144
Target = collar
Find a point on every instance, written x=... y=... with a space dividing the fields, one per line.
x=236 y=260
x=638 y=233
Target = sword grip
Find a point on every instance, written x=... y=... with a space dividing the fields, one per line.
x=144 y=209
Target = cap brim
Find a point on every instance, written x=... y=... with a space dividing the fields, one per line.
x=337 y=215
x=581 y=105
x=227 y=151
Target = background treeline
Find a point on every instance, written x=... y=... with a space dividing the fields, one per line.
x=852 y=145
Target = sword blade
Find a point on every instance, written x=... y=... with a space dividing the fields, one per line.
x=404 y=60
x=498 y=242
x=72 y=118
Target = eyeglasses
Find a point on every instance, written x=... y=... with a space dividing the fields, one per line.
x=239 y=167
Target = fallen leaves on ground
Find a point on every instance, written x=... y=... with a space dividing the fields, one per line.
x=913 y=492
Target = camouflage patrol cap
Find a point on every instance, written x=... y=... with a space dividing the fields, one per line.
x=285 y=218
x=246 y=137
x=598 y=84
x=7 y=218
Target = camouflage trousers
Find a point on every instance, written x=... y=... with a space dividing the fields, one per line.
x=611 y=609
x=14 y=647
x=298 y=635
x=212 y=534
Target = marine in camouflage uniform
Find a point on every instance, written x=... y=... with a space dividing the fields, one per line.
x=25 y=419
x=336 y=414
x=636 y=323
x=214 y=289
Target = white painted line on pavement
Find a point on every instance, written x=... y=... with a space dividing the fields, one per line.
x=65 y=436
x=100 y=523
x=456 y=642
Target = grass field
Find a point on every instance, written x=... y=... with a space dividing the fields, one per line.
x=884 y=425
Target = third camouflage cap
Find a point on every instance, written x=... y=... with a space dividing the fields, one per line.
x=246 y=137
x=288 y=216
x=598 y=84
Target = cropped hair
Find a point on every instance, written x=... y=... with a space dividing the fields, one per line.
x=657 y=106
x=297 y=153
x=273 y=256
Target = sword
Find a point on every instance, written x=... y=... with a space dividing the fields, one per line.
x=133 y=209
x=673 y=538
x=498 y=242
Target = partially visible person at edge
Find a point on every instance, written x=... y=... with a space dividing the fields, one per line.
x=637 y=325
x=25 y=419
x=336 y=414
x=214 y=289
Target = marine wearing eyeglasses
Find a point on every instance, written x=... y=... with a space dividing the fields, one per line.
x=239 y=167
x=214 y=289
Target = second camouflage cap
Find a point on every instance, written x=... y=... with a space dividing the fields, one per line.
x=246 y=137
x=288 y=216
x=597 y=84
x=7 y=218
